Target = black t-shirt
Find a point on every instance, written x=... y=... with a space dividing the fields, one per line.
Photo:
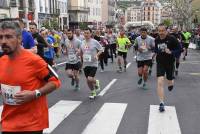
x=41 y=44
x=169 y=42
x=98 y=38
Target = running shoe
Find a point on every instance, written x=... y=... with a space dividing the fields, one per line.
x=119 y=70
x=77 y=88
x=170 y=88
x=93 y=94
x=140 y=81
x=162 y=107
x=144 y=86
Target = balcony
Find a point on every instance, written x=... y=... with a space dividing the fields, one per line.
x=78 y=9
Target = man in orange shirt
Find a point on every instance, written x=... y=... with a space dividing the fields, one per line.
x=25 y=80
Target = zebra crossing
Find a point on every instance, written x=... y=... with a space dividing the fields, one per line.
x=109 y=116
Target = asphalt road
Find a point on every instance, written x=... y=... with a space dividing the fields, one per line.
x=136 y=102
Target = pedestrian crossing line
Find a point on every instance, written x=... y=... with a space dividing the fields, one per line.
x=60 y=111
x=163 y=123
x=107 y=87
x=107 y=120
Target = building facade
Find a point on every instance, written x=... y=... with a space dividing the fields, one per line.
x=151 y=11
x=4 y=9
x=108 y=12
x=133 y=14
x=94 y=16
x=78 y=13
x=64 y=17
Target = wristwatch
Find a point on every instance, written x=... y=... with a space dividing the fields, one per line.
x=37 y=93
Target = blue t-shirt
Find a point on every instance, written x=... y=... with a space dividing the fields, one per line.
x=49 y=51
x=27 y=40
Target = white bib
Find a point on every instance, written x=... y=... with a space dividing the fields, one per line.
x=87 y=58
x=8 y=93
x=46 y=49
x=72 y=57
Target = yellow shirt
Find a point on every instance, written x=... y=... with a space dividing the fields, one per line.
x=123 y=44
x=57 y=38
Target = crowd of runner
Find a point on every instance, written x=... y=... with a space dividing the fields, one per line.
x=84 y=51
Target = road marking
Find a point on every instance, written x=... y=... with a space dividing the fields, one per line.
x=58 y=112
x=190 y=62
x=128 y=65
x=195 y=74
x=59 y=64
x=107 y=120
x=107 y=87
x=163 y=123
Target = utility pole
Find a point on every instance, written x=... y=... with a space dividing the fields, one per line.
x=26 y=5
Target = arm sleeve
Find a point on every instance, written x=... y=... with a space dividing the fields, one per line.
x=42 y=71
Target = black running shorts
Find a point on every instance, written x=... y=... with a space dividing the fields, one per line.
x=90 y=71
x=143 y=63
x=123 y=54
x=186 y=45
x=163 y=69
x=76 y=66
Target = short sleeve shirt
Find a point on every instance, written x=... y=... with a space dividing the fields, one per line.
x=90 y=49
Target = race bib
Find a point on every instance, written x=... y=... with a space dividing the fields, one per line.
x=87 y=58
x=144 y=47
x=8 y=93
x=72 y=57
x=46 y=49
x=121 y=47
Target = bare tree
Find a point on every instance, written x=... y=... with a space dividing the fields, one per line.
x=181 y=12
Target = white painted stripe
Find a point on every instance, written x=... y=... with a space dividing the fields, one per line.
x=128 y=65
x=1 y=109
x=163 y=123
x=107 y=87
x=59 y=64
x=107 y=120
x=60 y=111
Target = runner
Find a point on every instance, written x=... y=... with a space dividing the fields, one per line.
x=111 y=37
x=48 y=51
x=166 y=47
x=56 y=44
x=27 y=39
x=103 y=57
x=73 y=58
x=91 y=49
x=123 y=43
x=39 y=40
x=186 y=41
x=144 y=45
x=177 y=35
x=25 y=81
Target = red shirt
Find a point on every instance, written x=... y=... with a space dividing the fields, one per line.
x=28 y=71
